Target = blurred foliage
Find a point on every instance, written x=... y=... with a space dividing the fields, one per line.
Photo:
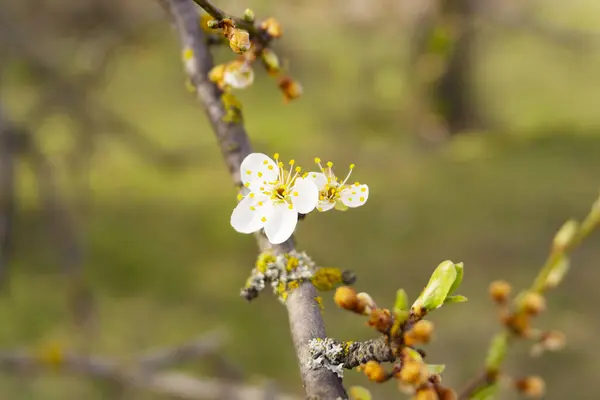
x=160 y=252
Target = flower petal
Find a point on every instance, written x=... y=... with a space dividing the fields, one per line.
x=281 y=225
x=319 y=178
x=354 y=195
x=258 y=166
x=251 y=213
x=305 y=195
x=325 y=205
x=238 y=75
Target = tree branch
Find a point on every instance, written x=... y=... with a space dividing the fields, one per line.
x=304 y=314
x=177 y=385
x=218 y=14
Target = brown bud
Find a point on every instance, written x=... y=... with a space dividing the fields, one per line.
x=381 y=319
x=531 y=386
x=499 y=291
x=290 y=88
x=426 y=394
x=534 y=303
x=272 y=27
x=345 y=297
x=421 y=332
x=553 y=340
x=413 y=373
x=374 y=371
x=447 y=394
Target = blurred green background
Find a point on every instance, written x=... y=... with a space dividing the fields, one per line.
x=163 y=263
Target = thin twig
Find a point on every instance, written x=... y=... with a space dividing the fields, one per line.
x=305 y=318
x=206 y=345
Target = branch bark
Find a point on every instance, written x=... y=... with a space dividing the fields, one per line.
x=304 y=314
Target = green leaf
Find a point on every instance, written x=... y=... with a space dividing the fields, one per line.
x=401 y=303
x=497 y=352
x=436 y=368
x=459 y=277
x=457 y=298
x=437 y=288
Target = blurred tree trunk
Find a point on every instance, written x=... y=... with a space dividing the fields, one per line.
x=442 y=61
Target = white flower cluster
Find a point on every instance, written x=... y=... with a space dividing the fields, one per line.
x=275 y=196
x=278 y=272
x=326 y=353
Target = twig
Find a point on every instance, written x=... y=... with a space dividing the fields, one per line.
x=177 y=385
x=206 y=345
x=218 y=14
x=304 y=314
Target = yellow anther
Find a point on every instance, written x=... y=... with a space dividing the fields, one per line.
x=363 y=190
x=362 y=199
x=291 y=207
x=292 y=162
x=265 y=162
x=306 y=174
x=260 y=203
x=260 y=174
x=247 y=184
x=264 y=219
x=276 y=156
x=295 y=193
x=249 y=172
x=251 y=195
x=329 y=164
x=351 y=166
x=240 y=197
x=298 y=169
x=356 y=184
x=280 y=164
x=317 y=160
x=270 y=167
x=252 y=208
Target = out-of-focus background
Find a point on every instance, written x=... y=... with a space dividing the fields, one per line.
x=476 y=127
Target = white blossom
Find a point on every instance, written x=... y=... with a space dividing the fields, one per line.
x=276 y=197
x=335 y=193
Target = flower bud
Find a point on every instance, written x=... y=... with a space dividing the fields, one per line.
x=248 y=15
x=367 y=301
x=381 y=319
x=270 y=61
x=374 y=371
x=272 y=27
x=291 y=89
x=427 y=393
x=359 y=393
x=413 y=373
x=531 y=386
x=345 y=297
x=421 y=332
x=499 y=291
x=565 y=235
x=239 y=41
x=558 y=272
x=549 y=341
x=447 y=394
x=238 y=75
x=534 y=303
